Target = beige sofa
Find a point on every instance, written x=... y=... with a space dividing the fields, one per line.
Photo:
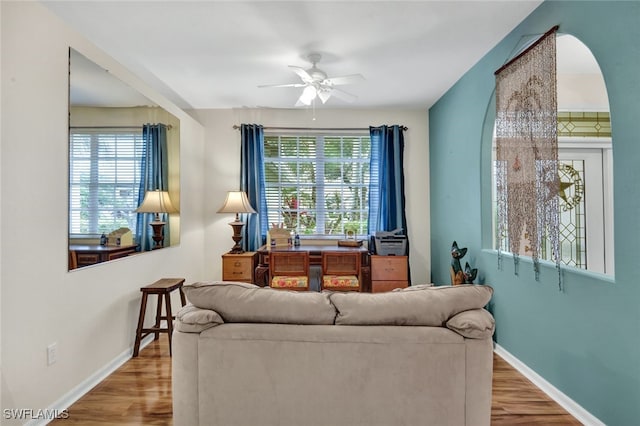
x=246 y=355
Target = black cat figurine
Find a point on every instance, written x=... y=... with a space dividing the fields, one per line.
x=458 y=276
x=469 y=274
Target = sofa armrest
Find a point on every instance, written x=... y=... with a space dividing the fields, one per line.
x=473 y=324
x=191 y=319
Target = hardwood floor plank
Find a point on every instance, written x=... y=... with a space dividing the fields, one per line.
x=517 y=401
x=139 y=393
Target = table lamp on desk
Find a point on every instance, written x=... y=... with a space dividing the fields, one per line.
x=236 y=202
x=157 y=202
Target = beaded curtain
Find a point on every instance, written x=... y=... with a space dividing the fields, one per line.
x=527 y=152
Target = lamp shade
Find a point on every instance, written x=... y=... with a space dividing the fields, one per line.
x=236 y=202
x=156 y=202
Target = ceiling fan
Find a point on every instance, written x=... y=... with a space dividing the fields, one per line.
x=317 y=84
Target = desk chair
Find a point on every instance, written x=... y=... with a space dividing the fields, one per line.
x=289 y=270
x=341 y=271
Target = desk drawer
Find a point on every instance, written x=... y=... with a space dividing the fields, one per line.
x=389 y=268
x=238 y=267
x=123 y=253
x=86 y=259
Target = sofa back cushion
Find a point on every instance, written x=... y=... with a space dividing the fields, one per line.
x=240 y=302
x=429 y=306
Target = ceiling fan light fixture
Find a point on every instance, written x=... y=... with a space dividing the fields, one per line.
x=308 y=95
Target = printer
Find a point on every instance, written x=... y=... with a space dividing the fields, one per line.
x=390 y=243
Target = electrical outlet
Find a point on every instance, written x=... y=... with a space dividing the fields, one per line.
x=52 y=353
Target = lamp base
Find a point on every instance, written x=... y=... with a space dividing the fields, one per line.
x=237 y=237
x=158 y=234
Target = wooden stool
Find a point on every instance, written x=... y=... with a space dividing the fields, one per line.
x=162 y=287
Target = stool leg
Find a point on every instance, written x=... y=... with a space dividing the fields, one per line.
x=169 y=319
x=143 y=308
x=182 y=298
x=158 y=316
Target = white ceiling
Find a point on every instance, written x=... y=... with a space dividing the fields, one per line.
x=214 y=54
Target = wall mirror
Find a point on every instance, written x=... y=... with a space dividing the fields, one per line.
x=115 y=135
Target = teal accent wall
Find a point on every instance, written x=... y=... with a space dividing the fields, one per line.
x=584 y=340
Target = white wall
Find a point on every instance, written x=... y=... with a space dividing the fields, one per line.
x=222 y=170
x=572 y=95
x=92 y=312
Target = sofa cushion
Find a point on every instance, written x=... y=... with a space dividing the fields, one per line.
x=241 y=302
x=429 y=306
x=191 y=319
x=473 y=324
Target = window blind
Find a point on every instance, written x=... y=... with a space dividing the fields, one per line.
x=318 y=184
x=104 y=175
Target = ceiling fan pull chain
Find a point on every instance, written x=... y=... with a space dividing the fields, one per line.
x=313 y=103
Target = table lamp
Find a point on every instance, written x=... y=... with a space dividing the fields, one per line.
x=237 y=203
x=157 y=202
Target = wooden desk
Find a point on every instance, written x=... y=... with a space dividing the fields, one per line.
x=90 y=254
x=315 y=258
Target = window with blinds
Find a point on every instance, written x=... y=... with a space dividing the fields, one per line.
x=104 y=175
x=318 y=184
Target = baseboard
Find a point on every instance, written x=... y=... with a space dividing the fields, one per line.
x=84 y=387
x=575 y=409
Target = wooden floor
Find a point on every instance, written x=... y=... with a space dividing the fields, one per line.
x=139 y=393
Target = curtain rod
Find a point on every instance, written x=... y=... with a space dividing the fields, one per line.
x=169 y=127
x=235 y=126
x=525 y=51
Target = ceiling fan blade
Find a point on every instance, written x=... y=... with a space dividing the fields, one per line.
x=341 y=94
x=324 y=95
x=345 y=79
x=283 y=85
x=302 y=73
x=262 y=86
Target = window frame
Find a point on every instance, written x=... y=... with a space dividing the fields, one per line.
x=598 y=152
x=319 y=161
x=135 y=155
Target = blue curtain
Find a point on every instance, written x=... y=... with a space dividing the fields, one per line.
x=154 y=175
x=386 y=190
x=252 y=181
